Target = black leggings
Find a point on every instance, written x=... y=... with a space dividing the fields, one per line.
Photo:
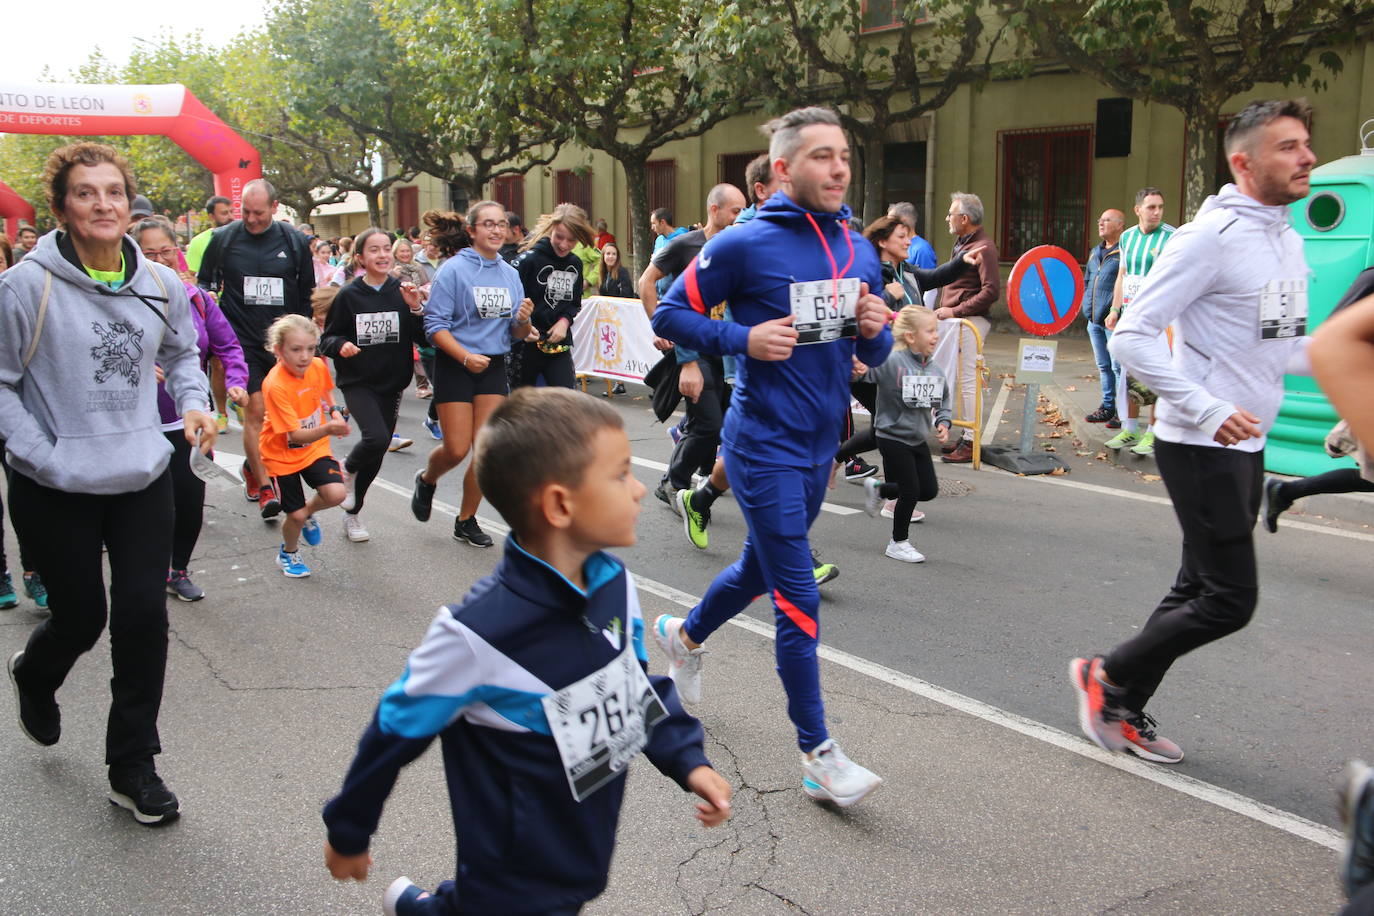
x=1216 y=496
x=66 y=531
x=1341 y=480
x=188 y=501
x=25 y=562
x=696 y=450
x=557 y=368
x=375 y=413
x=910 y=478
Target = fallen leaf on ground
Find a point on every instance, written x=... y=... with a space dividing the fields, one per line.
x=1151 y=477
x=1071 y=388
x=1101 y=456
x=1082 y=454
x=1058 y=472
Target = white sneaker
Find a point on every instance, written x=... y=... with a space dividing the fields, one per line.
x=904 y=551
x=354 y=529
x=890 y=510
x=873 y=497
x=399 y=442
x=350 y=496
x=833 y=777
x=684 y=665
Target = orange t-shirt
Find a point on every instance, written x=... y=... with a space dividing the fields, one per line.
x=295 y=403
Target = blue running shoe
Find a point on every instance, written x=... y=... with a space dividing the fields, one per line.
x=433 y=427
x=311 y=532
x=675 y=432
x=291 y=564
x=8 y=598
x=35 y=589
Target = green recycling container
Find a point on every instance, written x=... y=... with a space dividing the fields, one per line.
x=1336 y=222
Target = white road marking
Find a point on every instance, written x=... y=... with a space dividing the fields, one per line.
x=1157 y=773
x=995 y=418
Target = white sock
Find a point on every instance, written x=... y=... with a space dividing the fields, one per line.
x=1130 y=424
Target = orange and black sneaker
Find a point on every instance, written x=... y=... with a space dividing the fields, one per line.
x=1098 y=717
x=250 y=483
x=268 y=501
x=1138 y=728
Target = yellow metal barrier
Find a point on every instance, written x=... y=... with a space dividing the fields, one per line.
x=980 y=369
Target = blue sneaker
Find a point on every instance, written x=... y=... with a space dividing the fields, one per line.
x=291 y=564
x=404 y=898
x=35 y=589
x=433 y=427
x=311 y=532
x=8 y=598
x=675 y=432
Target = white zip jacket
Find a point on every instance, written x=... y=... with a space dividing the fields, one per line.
x=1209 y=283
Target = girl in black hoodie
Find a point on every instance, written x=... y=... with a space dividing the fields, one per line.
x=552 y=277
x=373 y=326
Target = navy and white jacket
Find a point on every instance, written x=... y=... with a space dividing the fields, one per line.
x=786 y=413
x=476 y=681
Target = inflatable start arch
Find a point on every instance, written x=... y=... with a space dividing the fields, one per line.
x=12 y=209
x=170 y=110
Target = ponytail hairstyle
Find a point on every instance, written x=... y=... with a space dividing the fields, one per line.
x=909 y=319
x=447 y=230
x=290 y=324
x=570 y=215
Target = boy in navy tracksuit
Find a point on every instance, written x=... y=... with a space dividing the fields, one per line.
x=535 y=684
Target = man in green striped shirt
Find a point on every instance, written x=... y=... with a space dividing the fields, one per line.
x=1140 y=248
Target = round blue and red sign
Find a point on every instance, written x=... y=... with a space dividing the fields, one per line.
x=1045 y=290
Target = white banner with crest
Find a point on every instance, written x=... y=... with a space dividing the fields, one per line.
x=612 y=339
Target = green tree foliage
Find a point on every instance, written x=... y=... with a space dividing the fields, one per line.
x=1194 y=55
x=622 y=76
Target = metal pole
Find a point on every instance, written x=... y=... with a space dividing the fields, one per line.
x=1028 y=418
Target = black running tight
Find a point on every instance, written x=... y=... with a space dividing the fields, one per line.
x=375 y=413
x=909 y=475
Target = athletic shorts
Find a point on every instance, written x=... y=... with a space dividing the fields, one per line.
x=290 y=490
x=260 y=362
x=452 y=382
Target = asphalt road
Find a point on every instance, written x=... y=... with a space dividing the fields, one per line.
x=995 y=808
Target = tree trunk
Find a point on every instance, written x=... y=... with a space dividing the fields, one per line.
x=637 y=185
x=374 y=207
x=875 y=174
x=1199 y=156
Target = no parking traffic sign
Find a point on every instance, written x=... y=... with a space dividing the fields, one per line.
x=1045 y=290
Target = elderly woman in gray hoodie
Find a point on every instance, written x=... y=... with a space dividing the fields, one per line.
x=81 y=326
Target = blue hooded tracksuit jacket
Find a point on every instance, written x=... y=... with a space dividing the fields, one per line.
x=476 y=681
x=784 y=421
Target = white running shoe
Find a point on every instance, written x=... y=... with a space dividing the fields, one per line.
x=684 y=665
x=833 y=777
x=902 y=550
x=890 y=510
x=399 y=442
x=354 y=529
x=350 y=496
x=873 y=497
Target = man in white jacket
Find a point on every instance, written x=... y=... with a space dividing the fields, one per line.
x=1233 y=283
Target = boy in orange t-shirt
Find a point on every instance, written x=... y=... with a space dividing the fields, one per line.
x=300 y=417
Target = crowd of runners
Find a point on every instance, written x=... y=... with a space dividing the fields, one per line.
x=120 y=353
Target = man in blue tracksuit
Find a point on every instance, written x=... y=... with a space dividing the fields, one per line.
x=798 y=281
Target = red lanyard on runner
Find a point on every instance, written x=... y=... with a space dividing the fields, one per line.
x=835 y=272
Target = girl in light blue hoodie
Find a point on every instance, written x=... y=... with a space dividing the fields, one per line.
x=476 y=305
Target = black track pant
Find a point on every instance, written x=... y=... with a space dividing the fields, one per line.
x=909 y=478
x=66 y=531
x=188 y=501
x=1216 y=496
x=1341 y=480
x=696 y=450
x=375 y=414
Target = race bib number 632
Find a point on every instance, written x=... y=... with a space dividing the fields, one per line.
x=824 y=309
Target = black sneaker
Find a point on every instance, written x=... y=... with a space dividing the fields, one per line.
x=422 y=498
x=39 y=718
x=1274 y=504
x=468 y=530
x=141 y=791
x=857 y=469
x=1101 y=415
x=666 y=494
x=1114 y=422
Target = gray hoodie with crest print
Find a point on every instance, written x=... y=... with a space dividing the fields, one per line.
x=82 y=417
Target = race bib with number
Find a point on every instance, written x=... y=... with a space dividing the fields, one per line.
x=1130 y=286
x=264 y=291
x=377 y=328
x=492 y=301
x=922 y=390
x=313 y=421
x=600 y=722
x=820 y=316
x=1283 y=309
